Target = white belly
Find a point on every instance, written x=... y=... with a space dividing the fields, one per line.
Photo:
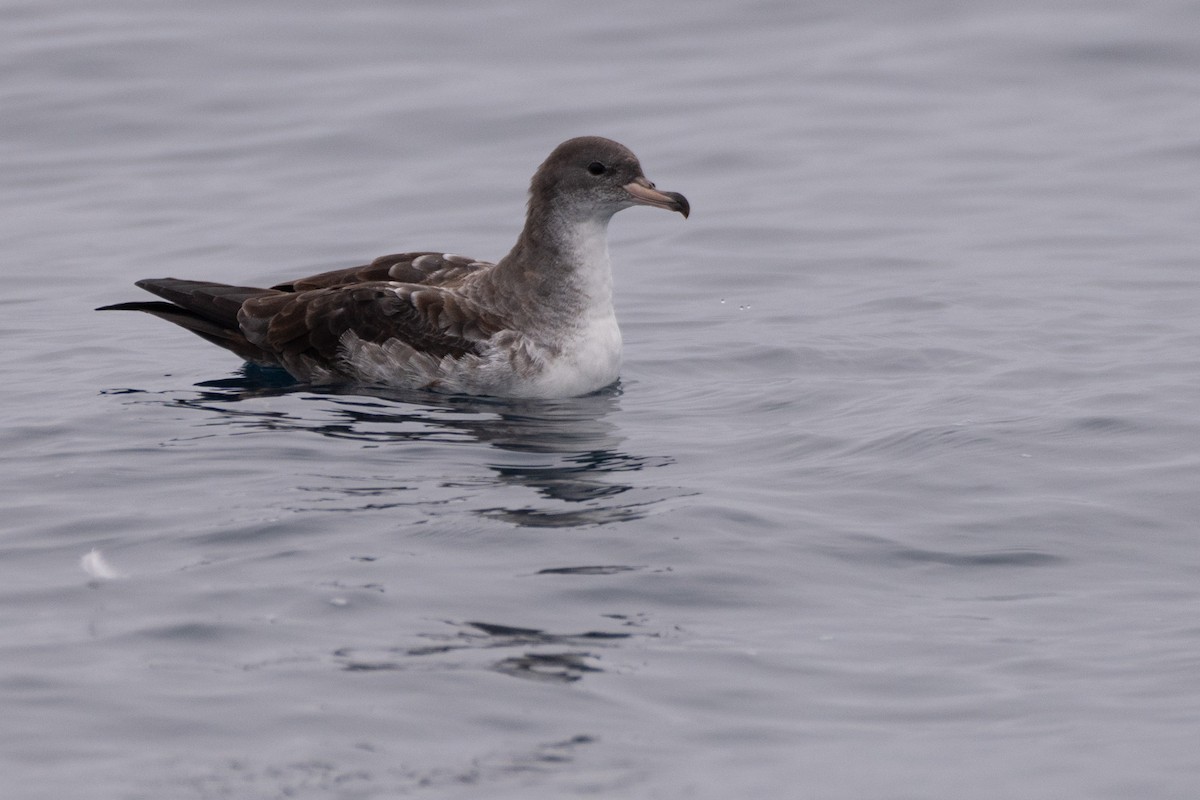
x=591 y=360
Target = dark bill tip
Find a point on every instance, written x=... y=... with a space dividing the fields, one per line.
x=681 y=203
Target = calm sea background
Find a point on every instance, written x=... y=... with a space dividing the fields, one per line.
x=897 y=496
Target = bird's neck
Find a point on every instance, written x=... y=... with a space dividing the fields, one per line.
x=561 y=264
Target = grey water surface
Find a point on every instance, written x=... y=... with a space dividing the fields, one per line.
x=897 y=496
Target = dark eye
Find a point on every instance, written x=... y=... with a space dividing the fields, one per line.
x=596 y=168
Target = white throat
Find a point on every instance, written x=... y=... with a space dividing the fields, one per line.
x=586 y=245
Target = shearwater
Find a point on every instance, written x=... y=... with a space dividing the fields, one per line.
x=538 y=323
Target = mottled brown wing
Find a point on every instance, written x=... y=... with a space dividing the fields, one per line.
x=309 y=325
x=429 y=269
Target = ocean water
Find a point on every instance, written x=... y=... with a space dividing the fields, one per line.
x=896 y=498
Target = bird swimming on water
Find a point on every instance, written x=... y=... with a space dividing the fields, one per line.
x=538 y=323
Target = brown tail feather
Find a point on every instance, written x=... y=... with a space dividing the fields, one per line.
x=207 y=309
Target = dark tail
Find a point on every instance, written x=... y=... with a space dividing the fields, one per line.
x=209 y=310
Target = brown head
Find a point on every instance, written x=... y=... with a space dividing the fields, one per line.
x=595 y=177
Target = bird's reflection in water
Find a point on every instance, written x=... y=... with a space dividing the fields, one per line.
x=569 y=450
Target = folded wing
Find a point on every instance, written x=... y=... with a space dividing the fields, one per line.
x=313 y=327
x=427 y=269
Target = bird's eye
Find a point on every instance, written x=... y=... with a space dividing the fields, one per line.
x=596 y=168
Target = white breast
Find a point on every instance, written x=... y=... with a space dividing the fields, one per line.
x=590 y=360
